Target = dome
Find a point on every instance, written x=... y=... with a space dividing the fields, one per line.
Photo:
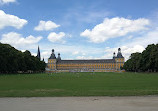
x=52 y=55
x=59 y=58
x=119 y=54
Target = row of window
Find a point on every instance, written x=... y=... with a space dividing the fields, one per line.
x=81 y=65
x=67 y=67
x=97 y=67
x=51 y=61
x=94 y=65
x=86 y=66
x=120 y=60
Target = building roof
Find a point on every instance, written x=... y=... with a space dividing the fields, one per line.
x=59 y=61
x=86 y=61
x=119 y=54
x=58 y=58
x=52 y=55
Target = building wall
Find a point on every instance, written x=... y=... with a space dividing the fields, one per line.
x=88 y=65
x=53 y=65
x=119 y=62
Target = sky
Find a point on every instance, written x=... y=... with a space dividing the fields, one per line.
x=79 y=29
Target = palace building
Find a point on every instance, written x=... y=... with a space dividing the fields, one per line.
x=90 y=65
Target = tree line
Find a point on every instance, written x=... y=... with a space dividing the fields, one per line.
x=15 y=61
x=147 y=61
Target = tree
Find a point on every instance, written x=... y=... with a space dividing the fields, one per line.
x=133 y=64
x=13 y=60
x=145 y=61
x=149 y=58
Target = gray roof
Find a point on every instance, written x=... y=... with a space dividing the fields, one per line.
x=52 y=55
x=58 y=58
x=86 y=61
x=119 y=55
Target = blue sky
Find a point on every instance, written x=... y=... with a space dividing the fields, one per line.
x=79 y=29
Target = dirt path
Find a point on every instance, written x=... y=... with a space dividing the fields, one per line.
x=147 y=103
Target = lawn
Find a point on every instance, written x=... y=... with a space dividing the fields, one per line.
x=79 y=84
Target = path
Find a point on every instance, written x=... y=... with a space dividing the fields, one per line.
x=147 y=103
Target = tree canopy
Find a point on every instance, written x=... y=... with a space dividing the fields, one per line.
x=14 y=61
x=145 y=61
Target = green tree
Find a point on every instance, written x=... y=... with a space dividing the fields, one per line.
x=149 y=58
x=133 y=64
x=13 y=60
x=145 y=61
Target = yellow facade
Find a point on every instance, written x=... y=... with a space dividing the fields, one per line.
x=100 y=65
x=93 y=66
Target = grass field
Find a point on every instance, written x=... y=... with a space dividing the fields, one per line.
x=79 y=84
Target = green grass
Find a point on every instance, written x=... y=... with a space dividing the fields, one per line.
x=79 y=84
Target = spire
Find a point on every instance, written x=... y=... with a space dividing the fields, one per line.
x=38 y=53
x=43 y=59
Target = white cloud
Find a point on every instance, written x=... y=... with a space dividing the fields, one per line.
x=125 y=49
x=11 y=20
x=45 y=55
x=83 y=53
x=18 y=41
x=75 y=52
x=130 y=37
x=7 y=1
x=67 y=51
x=150 y=37
x=137 y=44
x=46 y=25
x=84 y=57
x=54 y=37
x=115 y=27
